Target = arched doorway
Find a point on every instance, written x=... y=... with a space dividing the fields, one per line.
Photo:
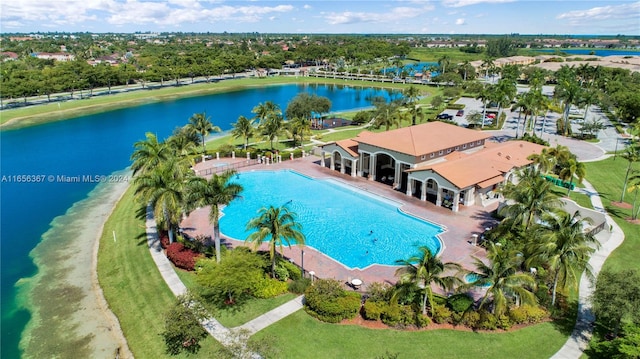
x=385 y=169
x=432 y=190
x=337 y=161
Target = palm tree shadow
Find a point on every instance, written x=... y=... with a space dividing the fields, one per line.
x=567 y=322
x=141 y=238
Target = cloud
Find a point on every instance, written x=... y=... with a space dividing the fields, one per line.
x=460 y=21
x=395 y=14
x=461 y=3
x=615 y=12
x=307 y=6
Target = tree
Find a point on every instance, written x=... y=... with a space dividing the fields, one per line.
x=279 y=226
x=634 y=186
x=265 y=110
x=572 y=169
x=544 y=160
x=298 y=128
x=163 y=189
x=182 y=328
x=632 y=155
x=625 y=346
x=243 y=128
x=215 y=192
x=564 y=248
x=485 y=95
x=148 y=154
x=425 y=269
x=504 y=283
x=202 y=124
x=617 y=298
x=232 y=280
x=443 y=62
x=272 y=127
x=569 y=91
x=412 y=94
x=305 y=105
x=532 y=197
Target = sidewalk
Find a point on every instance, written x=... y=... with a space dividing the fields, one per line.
x=579 y=339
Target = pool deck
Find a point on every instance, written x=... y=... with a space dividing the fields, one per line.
x=457 y=236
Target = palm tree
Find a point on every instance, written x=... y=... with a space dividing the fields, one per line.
x=412 y=94
x=504 y=93
x=569 y=91
x=265 y=110
x=632 y=155
x=564 y=249
x=485 y=95
x=183 y=141
x=148 y=154
x=503 y=280
x=216 y=192
x=488 y=65
x=425 y=269
x=444 y=62
x=532 y=197
x=243 y=128
x=163 y=188
x=573 y=168
x=279 y=226
x=299 y=127
x=272 y=128
x=634 y=186
x=202 y=124
x=544 y=160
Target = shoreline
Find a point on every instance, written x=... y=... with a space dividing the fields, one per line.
x=70 y=316
x=39 y=114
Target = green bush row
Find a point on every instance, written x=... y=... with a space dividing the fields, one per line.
x=269 y=288
x=394 y=315
x=455 y=106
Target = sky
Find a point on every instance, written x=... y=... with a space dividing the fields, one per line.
x=558 y=17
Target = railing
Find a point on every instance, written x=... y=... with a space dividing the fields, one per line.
x=597 y=229
x=231 y=166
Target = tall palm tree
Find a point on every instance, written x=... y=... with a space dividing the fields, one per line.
x=425 y=269
x=444 y=61
x=272 y=127
x=243 y=128
x=503 y=280
x=532 y=198
x=544 y=160
x=216 y=192
x=183 y=141
x=148 y=154
x=573 y=168
x=632 y=155
x=505 y=92
x=485 y=95
x=564 y=249
x=279 y=226
x=298 y=128
x=412 y=94
x=202 y=124
x=163 y=188
x=569 y=91
x=265 y=110
x=634 y=186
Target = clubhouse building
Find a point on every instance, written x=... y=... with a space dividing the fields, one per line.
x=447 y=165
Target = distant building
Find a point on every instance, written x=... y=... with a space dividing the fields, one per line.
x=58 y=56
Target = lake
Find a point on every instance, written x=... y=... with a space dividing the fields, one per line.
x=99 y=145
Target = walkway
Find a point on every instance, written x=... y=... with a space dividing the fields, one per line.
x=579 y=339
x=211 y=325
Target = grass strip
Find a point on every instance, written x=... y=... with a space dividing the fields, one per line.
x=132 y=285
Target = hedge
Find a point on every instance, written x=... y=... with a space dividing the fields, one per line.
x=182 y=257
x=329 y=302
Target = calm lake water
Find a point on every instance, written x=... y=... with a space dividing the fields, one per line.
x=94 y=146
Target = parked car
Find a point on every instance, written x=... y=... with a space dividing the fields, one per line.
x=444 y=116
x=460 y=113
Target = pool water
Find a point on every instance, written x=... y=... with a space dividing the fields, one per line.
x=357 y=229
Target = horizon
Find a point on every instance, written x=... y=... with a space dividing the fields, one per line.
x=396 y=17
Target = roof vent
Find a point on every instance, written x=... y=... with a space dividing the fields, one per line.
x=499 y=153
x=508 y=157
x=522 y=145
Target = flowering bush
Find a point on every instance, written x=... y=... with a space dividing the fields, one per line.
x=182 y=257
x=164 y=239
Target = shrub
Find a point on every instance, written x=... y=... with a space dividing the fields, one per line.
x=470 y=319
x=487 y=321
x=300 y=285
x=422 y=320
x=293 y=271
x=372 y=310
x=459 y=302
x=391 y=315
x=441 y=314
x=182 y=257
x=379 y=292
x=269 y=288
x=329 y=302
x=455 y=106
x=527 y=314
x=164 y=239
x=281 y=272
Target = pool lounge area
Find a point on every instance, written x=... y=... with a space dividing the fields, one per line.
x=456 y=239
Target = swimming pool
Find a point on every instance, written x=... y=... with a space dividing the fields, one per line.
x=355 y=229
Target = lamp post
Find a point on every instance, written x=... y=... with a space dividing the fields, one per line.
x=615 y=151
x=302 y=261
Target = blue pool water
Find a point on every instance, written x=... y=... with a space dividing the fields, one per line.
x=471 y=277
x=336 y=220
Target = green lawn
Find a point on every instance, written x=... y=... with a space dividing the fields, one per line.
x=132 y=285
x=607 y=177
x=301 y=336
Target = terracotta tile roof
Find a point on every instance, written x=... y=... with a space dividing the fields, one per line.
x=485 y=167
x=350 y=146
x=422 y=139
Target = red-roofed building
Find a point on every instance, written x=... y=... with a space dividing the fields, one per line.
x=437 y=162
